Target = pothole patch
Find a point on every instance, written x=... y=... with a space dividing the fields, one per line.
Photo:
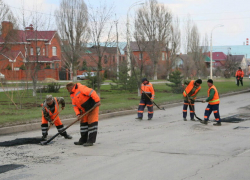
x=20 y=141
x=241 y=127
x=10 y=167
x=234 y=119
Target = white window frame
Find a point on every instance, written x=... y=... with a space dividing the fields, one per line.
x=54 y=51
x=163 y=56
x=140 y=56
x=31 y=51
x=38 y=51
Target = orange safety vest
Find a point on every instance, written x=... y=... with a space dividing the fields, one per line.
x=189 y=87
x=239 y=73
x=83 y=98
x=56 y=112
x=148 y=89
x=216 y=98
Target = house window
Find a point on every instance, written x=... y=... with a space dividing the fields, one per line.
x=140 y=56
x=31 y=52
x=113 y=59
x=43 y=51
x=57 y=65
x=105 y=59
x=47 y=50
x=123 y=58
x=38 y=51
x=53 y=66
x=163 y=56
x=53 y=51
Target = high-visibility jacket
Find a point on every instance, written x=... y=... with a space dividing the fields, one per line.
x=189 y=87
x=239 y=74
x=216 y=98
x=52 y=115
x=148 y=89
x=83 y=98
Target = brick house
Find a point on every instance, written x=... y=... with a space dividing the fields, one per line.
x=20 y=47
x=140 y=57
x=109 y=59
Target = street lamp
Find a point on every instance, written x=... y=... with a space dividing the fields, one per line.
x=211 y=49
x=128 y=36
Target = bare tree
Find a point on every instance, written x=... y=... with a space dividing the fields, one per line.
x=100 y=36
x=154 y=22
x=72 y=24
x=231 y=65
x=173 y=45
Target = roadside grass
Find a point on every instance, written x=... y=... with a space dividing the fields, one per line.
x=112 y=100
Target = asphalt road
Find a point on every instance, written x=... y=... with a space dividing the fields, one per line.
x=165 y=148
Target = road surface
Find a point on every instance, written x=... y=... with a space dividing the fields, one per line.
x=165 y=148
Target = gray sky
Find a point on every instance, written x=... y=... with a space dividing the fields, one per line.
x=234 y=15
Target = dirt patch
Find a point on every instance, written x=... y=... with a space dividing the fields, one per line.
x=10 y=167
x=20 y=141
x=132 y=98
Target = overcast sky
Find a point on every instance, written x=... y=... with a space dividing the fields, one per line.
x=233 y=14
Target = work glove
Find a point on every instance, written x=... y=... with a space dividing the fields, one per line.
x=203 y=101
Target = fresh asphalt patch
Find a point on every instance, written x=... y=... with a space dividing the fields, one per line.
x=20 y=141
x=234 y=119
x=10 y=167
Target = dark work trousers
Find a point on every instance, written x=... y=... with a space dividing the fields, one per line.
x=239 y=81
x=191 y=108
x=208 y=111
x=88 y=132
x=143 y=103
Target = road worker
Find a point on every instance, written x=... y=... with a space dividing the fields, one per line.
x=189 y=96
x=239 y=76
x=147 y=97
x=83 y=99
x=50 y=113
x=213 y=104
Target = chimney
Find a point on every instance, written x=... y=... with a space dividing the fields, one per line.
x=7 y=26
x=30 y=28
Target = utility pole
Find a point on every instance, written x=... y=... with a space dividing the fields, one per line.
x=128 y=37
x=211 y=49
x=117 y=50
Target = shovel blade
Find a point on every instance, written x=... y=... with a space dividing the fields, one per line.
x=43 y=143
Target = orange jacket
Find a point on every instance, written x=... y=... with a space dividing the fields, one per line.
x=148 y=89
x=239 y=74
x=216 y=98
x=189 y=87
x=83 y=98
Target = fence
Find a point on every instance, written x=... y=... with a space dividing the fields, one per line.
x=25 y=75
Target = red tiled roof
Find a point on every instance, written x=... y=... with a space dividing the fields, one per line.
x=218 y=56
x=10 y=54
x=25 y=36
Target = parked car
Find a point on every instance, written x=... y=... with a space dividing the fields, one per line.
x=2 y=76
x=85 y=75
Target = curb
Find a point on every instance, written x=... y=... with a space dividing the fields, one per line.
x=37 y=126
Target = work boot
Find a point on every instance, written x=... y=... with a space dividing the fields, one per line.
x=68 y=137
x=217 y=124
x=44 y=138
x=184 y=119
x=88 y=144
x=80 y=142
x=203 y=122
x=139 y=118
x=192 y=119
x=149 y=119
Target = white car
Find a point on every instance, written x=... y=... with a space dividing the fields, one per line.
x=85 y=75
x=2 y=76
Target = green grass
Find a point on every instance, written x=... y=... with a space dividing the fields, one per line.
x=112 y=100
